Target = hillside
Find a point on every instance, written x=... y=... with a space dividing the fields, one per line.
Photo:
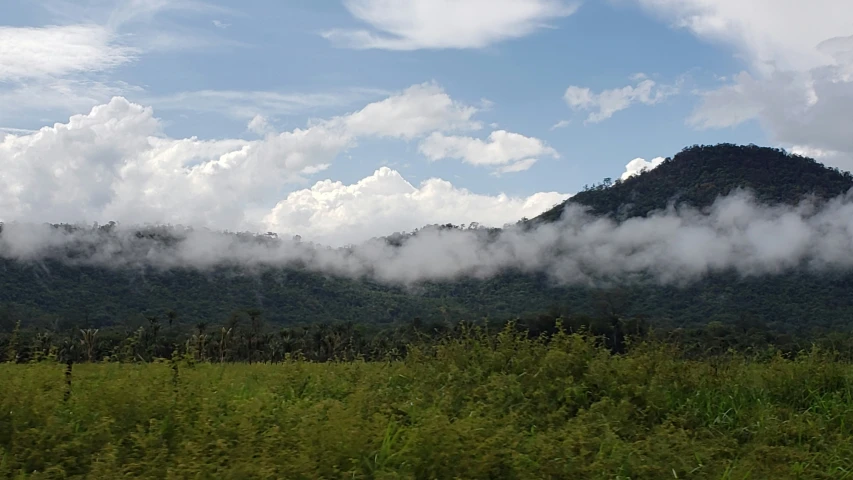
x=51 y=293
x=699 y=174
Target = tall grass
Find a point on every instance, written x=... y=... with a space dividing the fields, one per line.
x=500 y=407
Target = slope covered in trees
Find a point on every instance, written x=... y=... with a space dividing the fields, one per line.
x=698 y=175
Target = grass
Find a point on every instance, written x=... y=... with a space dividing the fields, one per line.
x=503 y=407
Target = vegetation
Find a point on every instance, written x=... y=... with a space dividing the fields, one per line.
x=465 y=405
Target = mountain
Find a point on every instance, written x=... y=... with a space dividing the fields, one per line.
x=698 y=175
x=51 y=292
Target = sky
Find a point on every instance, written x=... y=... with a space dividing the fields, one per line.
x=342 y=120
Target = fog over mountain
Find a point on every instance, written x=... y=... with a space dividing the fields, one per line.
x=672 y=246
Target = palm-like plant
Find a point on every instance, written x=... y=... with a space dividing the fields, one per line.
x=88 y=341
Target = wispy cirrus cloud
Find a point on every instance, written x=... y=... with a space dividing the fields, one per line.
x=33 y=53
x=71 y=61
x=560 y=124
x=247 y=104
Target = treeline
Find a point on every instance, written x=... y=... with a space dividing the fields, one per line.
x=246 y=337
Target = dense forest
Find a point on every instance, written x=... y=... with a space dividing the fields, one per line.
x=50 y=294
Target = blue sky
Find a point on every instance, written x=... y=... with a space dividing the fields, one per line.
x=623 y=79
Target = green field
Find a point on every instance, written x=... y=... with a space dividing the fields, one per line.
x=480 y=406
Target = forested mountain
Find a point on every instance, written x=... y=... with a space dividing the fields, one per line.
x=52 y=292
x=698 y=175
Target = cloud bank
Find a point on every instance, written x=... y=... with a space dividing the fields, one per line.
x=674 y=246
x=117 y=163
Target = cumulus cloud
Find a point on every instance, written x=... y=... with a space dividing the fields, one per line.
x=443 y=24
x=640 y=165
x=509 y=152
x=835 y=158
x=806 y=109
x=333 y=213
x=799 y=82
x=258 y=125
x=417 y=110
x=57 y=97
x=604 y=104
x=674 y=246
x=116 y=163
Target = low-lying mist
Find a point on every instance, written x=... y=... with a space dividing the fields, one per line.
x=672 y=246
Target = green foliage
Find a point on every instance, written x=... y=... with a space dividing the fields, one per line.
x=475 y=405
x=51 y=292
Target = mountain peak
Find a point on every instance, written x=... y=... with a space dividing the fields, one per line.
x=698 y=175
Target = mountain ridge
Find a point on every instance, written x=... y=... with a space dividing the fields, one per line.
x=700 y=174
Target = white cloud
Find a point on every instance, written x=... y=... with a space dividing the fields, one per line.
x=604 y=104
x=27 y=52
x=518 y=166
x=59 y=96
x=799 y=85
x=811 y=152
x=639 y=165
x=561 y=124
x=219 y=24
x=417 y=110
x=259 y=125
x=810 y=109
x=780 y=34
x=440 y=24
x=511 y=152
x=383 y=203
x=827 y=157
x=67 y=63
x=116 y=163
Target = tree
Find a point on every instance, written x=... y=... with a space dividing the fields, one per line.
x=172 y=316
x=88 y=341
x=12 y=353
x=256 y=326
